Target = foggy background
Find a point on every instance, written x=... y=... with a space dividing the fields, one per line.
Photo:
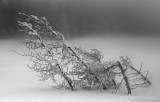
x=85 y=17
x=114 y=27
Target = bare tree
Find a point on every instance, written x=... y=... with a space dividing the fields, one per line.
x=77 y=67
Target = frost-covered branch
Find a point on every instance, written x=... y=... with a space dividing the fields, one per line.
x=78 y=68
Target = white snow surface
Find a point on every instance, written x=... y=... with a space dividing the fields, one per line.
x=20 y=84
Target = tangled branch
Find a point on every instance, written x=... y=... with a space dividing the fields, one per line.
x=77 y=67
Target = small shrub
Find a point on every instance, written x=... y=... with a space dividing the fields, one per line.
x=77 y=67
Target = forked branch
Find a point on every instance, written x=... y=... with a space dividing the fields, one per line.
x=78 y=67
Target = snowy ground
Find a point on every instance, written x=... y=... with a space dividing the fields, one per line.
x=19 y=84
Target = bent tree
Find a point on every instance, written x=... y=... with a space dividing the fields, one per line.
x=52 y=56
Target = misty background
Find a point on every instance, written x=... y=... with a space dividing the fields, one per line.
x=114 y=27
x=85 y=17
